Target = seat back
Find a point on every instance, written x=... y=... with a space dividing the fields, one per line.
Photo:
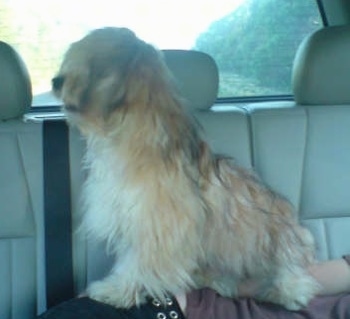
x=321 y=82
x=21 y=197
x=302 y=148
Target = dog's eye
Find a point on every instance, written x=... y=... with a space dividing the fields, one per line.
x=57 y=83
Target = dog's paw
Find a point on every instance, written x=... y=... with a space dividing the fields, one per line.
x=107 y=291
x=301 y=294
x=292 y=292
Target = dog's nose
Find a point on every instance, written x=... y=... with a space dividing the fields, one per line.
x=71 y=108
x=57 y=82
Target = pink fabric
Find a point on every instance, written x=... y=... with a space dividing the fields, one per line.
x=207 y=304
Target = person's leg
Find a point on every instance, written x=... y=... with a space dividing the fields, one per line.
x=86 y=308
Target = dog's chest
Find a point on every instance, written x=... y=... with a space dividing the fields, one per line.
x=111 y=204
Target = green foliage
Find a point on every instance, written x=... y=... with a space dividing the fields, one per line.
x=254 y=45
x=257 y=42
x=38 y=34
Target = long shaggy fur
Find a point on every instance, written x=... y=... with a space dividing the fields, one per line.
x=175 y=215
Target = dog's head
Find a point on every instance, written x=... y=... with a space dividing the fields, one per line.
x=105 y=71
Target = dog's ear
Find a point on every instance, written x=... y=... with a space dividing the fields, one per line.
x=110 y=92
x=147 y=76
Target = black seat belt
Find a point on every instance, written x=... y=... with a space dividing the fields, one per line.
x=57 y=207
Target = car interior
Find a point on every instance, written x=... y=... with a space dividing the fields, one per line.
x=299 y=147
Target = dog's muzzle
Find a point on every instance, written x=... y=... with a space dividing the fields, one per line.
x=57 y=83
x=71 y=108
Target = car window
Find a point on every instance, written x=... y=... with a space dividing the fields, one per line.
x=252 y=41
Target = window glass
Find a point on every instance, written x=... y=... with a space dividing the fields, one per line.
x=252 y=41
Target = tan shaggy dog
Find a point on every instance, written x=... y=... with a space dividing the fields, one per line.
x=176 y=216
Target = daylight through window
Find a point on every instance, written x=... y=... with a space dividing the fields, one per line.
x=252 y=41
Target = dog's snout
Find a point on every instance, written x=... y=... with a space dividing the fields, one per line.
x=71 y=108
x=57 y=83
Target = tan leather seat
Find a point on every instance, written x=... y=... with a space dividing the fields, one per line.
x=21 y=194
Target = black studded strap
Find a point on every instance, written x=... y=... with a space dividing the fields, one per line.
x=154 y=309
x=86 y=308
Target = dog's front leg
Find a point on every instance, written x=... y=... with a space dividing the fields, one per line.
x=116 y=291
x=123 y=287
x=136 y=277
x=224 y=284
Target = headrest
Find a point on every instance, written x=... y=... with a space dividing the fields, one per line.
x=321 y=72
x=196 y=75
x=15 y=85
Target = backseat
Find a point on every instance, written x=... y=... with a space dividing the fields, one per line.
x=21 y=183
x=301 y=149
x=321 y=84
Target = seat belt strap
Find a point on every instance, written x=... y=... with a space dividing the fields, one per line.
x=57 y=208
